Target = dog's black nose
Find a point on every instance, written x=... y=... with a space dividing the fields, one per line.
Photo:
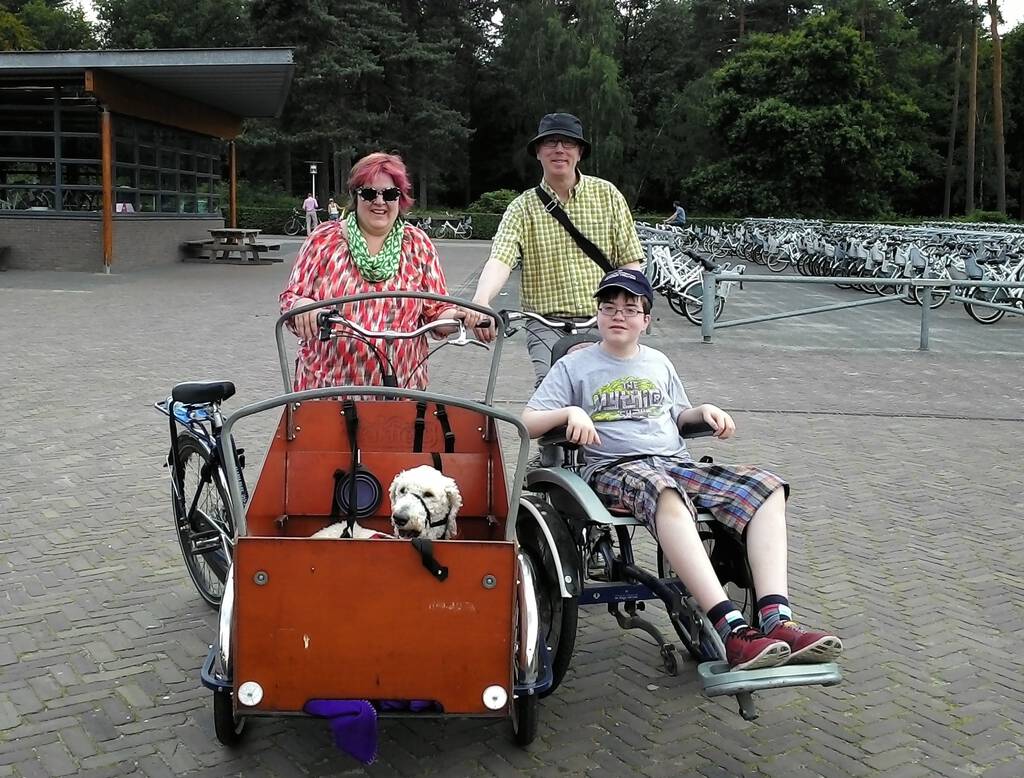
x=400 y=521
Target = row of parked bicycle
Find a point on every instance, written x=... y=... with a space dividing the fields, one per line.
x=871 y=252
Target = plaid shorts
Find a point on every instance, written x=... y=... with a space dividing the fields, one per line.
x=731 y=493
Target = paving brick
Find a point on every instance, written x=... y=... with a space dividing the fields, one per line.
x=104 y=635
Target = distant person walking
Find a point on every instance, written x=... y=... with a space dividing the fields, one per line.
x=309 y=205
x=678 y=216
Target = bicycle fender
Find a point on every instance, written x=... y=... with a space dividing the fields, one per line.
x=564 y=554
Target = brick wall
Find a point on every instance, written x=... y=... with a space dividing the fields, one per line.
x=76 y=243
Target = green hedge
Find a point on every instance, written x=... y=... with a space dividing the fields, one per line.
x=272 y=220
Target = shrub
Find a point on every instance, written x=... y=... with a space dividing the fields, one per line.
x=493 y=202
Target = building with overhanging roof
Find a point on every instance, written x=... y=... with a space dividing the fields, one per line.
x=112 y=159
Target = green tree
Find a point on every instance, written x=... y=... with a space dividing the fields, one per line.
x=58 y=26
x=558 y=56
x=809 y=126
x=14 y=35
x=168 y=24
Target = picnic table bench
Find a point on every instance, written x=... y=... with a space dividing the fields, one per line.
x=232 y=246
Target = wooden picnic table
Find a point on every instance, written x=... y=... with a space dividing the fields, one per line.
x=234 y=246
x=231 y=240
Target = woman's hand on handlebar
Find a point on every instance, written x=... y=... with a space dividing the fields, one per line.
x=305 y=324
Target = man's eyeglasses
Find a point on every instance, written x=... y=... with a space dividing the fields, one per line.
x=389 y=195
x=629 y=312
x=567 y=143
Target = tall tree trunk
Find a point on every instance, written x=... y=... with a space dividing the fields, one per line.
x=323 y=181
x=743 y=18
x=286 y=164
x=997 y=107
x=972 y=115
x=339 y=185
x=953 y=121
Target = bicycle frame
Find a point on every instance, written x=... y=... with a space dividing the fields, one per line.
x=194 y=418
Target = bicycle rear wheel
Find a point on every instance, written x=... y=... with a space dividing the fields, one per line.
x=693 y=309
x=202 y=548
x=292 y=226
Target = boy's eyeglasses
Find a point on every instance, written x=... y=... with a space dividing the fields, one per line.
x=630 y=311
x=389 y=195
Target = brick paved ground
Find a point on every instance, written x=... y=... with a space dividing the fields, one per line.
x=906 y=538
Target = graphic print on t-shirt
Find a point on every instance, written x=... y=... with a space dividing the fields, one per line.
x=627 y=398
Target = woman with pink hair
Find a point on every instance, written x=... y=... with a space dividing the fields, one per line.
x=370 y=250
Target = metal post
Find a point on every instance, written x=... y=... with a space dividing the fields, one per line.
x=926 y=307
x=707 y=323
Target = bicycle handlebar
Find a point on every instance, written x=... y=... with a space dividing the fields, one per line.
x=326 y=319
x=566 y=326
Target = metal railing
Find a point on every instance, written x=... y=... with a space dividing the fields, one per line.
x=712 y=279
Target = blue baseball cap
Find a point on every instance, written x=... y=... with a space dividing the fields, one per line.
x=629 y=280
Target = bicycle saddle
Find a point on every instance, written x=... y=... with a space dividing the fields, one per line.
x=202 y=392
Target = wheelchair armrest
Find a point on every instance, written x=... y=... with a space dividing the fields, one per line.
x=556 y=437
x=698 y=429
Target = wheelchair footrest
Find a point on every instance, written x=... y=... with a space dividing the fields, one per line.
x=717 y=679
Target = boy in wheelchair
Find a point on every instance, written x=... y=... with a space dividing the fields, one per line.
x=624 y=404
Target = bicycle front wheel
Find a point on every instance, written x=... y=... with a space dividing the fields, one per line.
x=693 y=303
x=207 y=559
x=292 y=226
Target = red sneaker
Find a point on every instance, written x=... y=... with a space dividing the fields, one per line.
x=748 y=649
x=807 y=646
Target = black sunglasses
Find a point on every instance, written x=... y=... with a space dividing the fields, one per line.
x=369 y=194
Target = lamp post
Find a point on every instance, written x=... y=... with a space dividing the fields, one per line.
x=312 y=172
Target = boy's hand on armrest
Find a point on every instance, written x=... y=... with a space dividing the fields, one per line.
x=721 y=421
x=579 y=427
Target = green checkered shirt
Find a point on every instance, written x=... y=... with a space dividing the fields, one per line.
x=557 y=276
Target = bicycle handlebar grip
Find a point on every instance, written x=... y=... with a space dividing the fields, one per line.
x=323 y=322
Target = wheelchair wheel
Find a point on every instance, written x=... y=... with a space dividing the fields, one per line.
x=729 y=559
x=558 y=615
x=205 y=558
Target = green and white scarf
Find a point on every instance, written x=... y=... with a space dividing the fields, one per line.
x=384 y=264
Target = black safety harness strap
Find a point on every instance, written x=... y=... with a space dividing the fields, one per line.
x=419 y=426
x=348 y=409
x=425 y=548
x=586 y=245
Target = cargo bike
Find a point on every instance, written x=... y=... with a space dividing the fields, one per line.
x=482 y=625
x=448 y=627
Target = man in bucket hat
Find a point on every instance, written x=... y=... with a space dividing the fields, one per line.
x=559 y=278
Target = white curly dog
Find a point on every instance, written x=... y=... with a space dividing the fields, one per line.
x=424 y=504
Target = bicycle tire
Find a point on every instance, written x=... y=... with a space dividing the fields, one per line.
x=208 y=569
x=468 y=233
x=559 y=616
x=292 y=226
x=777 y=264
x=983 y=314
x=694 y=310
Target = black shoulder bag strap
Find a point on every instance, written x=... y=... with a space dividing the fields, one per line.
x=586 y=245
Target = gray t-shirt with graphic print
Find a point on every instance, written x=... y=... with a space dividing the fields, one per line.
x=634 y=403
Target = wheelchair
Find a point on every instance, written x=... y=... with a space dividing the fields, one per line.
x=586 y=558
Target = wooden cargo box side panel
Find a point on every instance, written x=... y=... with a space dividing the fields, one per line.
x=363 y=619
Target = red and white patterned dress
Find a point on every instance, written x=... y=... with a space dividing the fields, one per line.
x=323 y=269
